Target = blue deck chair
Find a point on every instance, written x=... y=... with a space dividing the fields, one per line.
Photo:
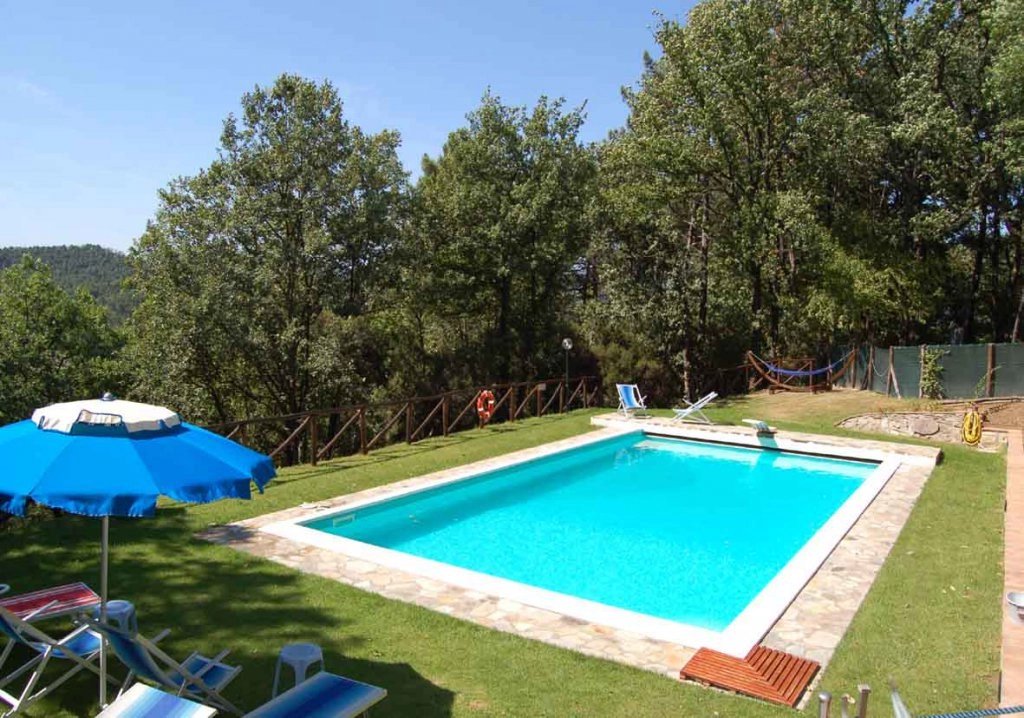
x=78 y=650
x=693 y=412
x=325 y=695
x=197 y=677
x=630 y=401
x=142 y=701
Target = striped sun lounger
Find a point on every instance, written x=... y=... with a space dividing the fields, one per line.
x=325 y=695
x=51 y=602
x=142 y=701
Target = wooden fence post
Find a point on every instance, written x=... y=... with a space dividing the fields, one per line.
x=537 y=391
x=869 y=373
x=362 y=429
x=892 y=371
x=313 y=437
x=445 y=408
x=920 y=384
x=408 y=422
x=991 y=371
x=856 y=358
x=561 y=396
x=512 y=403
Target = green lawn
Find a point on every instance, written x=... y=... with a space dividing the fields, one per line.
x=931 y=621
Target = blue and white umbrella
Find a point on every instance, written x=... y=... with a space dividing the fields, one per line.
x=108 y=457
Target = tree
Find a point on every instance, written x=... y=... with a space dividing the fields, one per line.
x=253 y=270
x=500 y=228
x=54 y=346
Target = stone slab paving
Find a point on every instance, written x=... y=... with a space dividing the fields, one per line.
x=812 y=626
x=1012 y=657
x=815 y=622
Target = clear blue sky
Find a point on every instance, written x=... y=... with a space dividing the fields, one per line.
x=101 y=104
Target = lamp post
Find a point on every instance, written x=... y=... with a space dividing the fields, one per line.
x=567 y=345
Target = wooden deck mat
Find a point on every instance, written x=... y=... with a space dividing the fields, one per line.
x=765 y=673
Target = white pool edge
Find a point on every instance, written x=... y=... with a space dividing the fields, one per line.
x=742 y=634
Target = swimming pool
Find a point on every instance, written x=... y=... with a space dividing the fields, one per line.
x=687 y=541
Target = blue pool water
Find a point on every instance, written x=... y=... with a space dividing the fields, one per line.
x=682 y=530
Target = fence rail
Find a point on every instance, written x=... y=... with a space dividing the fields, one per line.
x=358 y=428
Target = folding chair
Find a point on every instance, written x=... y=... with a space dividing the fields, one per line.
x=693 y=412
x=630 y=400
x=80 y=648
x=197 y=677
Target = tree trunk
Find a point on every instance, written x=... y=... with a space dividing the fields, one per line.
x=979 y=262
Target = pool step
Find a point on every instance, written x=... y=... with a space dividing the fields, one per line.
x=765 y=673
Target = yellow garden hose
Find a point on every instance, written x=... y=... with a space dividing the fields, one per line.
x=971 y=430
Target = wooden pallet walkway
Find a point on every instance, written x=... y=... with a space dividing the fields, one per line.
x=764 y=673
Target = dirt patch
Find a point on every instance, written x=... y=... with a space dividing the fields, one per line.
x=998 y=414
x=1005 y=416
x=838 y=403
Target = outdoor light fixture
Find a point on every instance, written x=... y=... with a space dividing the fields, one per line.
x=567 y=345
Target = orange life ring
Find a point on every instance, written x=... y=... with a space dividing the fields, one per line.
x=485 y=405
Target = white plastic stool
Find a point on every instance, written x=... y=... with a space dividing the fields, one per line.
x=120 y=614
x=300 y=656
x=1015 y=601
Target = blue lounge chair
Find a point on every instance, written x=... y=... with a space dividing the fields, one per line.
x=197 y=677
x=693 y=412
x=78 y=650
x=630 y=400
x=142 y=701
x=325 y=695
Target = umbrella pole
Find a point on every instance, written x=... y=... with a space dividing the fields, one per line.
x=104 y=557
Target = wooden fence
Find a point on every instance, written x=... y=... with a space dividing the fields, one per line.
x=311 y=436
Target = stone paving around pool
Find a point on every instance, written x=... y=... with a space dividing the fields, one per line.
x=811 y=627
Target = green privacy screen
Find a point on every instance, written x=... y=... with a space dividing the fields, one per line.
x=964 y=373
x=963 y=370
x=880 y=375
x=906 y=365
x=1009 y=374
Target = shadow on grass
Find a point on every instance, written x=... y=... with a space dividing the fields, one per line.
x=211 y=599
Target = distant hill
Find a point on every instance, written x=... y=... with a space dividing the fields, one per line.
x=99 y=270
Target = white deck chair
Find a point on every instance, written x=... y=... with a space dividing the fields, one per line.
x=693 y=412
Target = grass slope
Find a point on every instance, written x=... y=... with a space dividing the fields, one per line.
x=930 y=622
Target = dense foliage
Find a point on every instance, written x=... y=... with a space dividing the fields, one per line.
x=53 y=345
x=98 y=270
x=255 y=271
x=794 y=176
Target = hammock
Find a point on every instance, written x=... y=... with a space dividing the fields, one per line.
x=777 y=377
x=804 y=372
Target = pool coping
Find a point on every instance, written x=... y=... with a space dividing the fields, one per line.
x=588 y=626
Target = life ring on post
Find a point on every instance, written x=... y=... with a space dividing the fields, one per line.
x=485 y=405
